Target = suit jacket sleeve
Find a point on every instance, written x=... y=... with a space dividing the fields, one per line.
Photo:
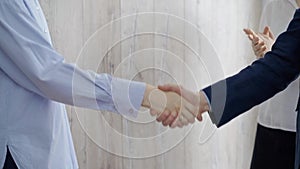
x=259 y=81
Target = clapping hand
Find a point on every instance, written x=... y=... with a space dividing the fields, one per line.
x=261 y=42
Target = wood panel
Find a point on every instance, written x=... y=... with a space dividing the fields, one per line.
x=123 y=39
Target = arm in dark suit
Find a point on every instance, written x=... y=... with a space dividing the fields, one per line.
x=259 y=81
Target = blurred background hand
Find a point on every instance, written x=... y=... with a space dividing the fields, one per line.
x=261 y=42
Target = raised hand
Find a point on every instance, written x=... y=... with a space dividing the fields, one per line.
x=196 y=99
x=169 y=106
x=261 y=42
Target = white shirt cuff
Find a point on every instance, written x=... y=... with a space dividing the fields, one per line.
x=127 y=96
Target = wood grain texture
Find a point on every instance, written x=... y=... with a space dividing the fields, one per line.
x=123 y=38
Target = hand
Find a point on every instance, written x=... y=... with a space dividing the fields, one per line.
x=197 y=99
x=261 y=42
x=168 y=106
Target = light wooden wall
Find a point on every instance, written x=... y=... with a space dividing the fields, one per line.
x=83 y=31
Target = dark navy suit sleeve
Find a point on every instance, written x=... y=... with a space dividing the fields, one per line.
x=259 y=81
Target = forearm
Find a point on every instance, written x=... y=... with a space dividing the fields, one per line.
x=237 y=94
x=260 y=81
x=28 y=59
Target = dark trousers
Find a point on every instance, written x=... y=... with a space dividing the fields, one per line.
x=273 y=149
x=9 y=161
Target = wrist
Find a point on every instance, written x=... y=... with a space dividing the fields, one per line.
x=146 y=98
x=204 y=103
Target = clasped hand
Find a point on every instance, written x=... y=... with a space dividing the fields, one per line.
x=174 y=106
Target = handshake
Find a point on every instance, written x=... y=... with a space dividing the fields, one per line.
x=175 y=106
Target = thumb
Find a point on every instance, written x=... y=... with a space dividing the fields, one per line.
x=170 y=87
x=271 y=35
x=266 y=30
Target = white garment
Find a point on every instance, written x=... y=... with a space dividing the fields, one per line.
x=279 y=111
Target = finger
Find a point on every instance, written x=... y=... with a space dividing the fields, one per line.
x=263 y=49
x=259 y=55
x=163 y=116
x=172 y=117
x=177 y=123
x=248 y=31
x=251 y=34
x=153 y=112
x=259 y=46
x=170 y=87
x=255 y=40
x=183 y=120
x=174 y=124
x=262 y=52
x=250 y=37
x=188 y=115
x=199 y=117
